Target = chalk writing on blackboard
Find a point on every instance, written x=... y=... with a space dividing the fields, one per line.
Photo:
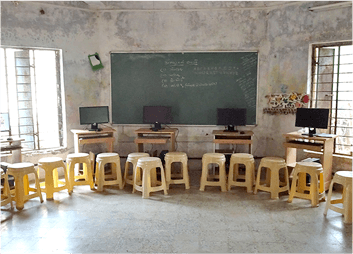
x=182 y=80
x=248 y=90
x=248 y=62
x=188 y=85
x=180 y=63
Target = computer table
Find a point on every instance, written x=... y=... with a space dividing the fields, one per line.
x=325 y=143
x=148 y=136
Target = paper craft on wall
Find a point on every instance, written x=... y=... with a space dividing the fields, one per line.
x=95 y=61
x=286 y=103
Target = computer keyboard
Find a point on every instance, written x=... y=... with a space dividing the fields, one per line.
x=324 y=135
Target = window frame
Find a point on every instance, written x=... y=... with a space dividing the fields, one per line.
x=313 y=82
x=59 y=96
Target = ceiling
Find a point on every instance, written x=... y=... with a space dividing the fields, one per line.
x=179 y=5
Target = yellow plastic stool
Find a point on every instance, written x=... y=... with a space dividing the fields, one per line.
x=148 y=165
x=181 y=157
x=114 y=159
x=343 y=178
x=50 y=165
x=87 y=176
x=249 y=162
x=20 y=172
x=216 y=158
x=6 y=195
x=299 y=182
x=272 y=183
x=132 y=158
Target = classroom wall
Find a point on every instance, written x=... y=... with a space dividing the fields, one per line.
x=70 y=29
x=179 y=30
x=282 y=36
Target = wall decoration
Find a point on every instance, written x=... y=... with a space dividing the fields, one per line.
x=95 y=61
x=286 y=103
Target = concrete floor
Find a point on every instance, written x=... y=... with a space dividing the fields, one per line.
x=184 y=221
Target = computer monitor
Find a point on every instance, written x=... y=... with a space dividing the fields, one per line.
x=231 y=117
x=94 y=116
x=312 y=118
x=157 y=115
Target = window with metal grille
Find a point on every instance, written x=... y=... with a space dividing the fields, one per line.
x=31 y=95
x=332 y=88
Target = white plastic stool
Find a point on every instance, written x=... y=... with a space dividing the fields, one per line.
x=87 y=176
x=272 y=183
x=6 y=195
x=148 y=164
x=50 y=165
x=20 y=172
x=114 y=159
x=216 y=158
x=132 y=158
x=299 y=182
x=343 y=178
x=233 y=177
x=181 y=157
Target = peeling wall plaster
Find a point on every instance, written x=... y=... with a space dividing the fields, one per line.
x=282 y=37
x=73 y=31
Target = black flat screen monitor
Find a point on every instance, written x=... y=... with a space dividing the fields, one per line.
x=157 y=115
x=312 y=118
x=94 y=116
x=231 y=117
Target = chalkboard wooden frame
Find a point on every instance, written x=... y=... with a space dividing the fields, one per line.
x=127 y=97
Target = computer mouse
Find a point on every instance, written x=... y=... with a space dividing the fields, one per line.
x=242 y=132
x=9 y=139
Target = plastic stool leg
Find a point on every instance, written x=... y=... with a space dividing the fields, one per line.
x=204 y=174
x=71 y=173
x=274 y=183
x=329 y=196
x=230 y=176
x=49 y=184
x=347 y=204
x=118 y=175
x=186 y=175
x=168 y=173
x=314 y=191
x=20 y=192
x=38 y=187
x=164 y=185
x=146 y=183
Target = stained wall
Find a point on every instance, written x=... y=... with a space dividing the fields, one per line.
x=282 y=37
x=72 y=30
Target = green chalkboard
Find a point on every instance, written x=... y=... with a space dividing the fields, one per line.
x=193 y=84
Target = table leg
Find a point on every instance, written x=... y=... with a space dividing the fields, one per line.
x=110 y=147
x=327 y=162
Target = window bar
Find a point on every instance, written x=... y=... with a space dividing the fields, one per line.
x=18 y=103
x=59 y=102
x=315 y=76
x=34 y=99
x=21 y=134
x=336 y=110
x=331 y=97
x=7 y=90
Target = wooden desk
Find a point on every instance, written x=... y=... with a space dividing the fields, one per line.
x=15 y=147
x=295 y=140
x=231 y=138
x=147 y=136
x=82 y=137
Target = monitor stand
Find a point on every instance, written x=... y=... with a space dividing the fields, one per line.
x=230 y=128
x=94 y=127
x=156 y=127
x=312 y=132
